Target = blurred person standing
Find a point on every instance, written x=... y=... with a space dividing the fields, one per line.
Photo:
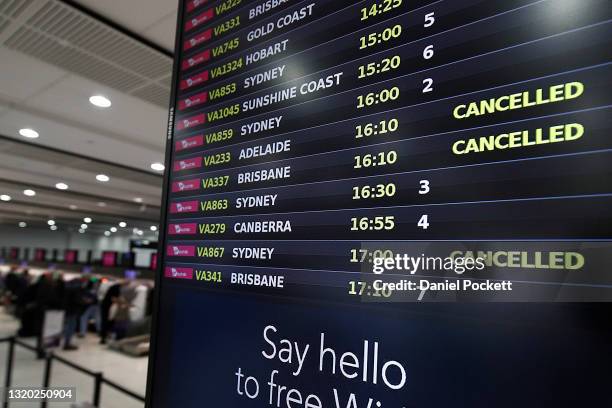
x=21 y=291
x=122 y=306
x=110 y=297
x=92 y=307
x=47 y=297
x=73 y=297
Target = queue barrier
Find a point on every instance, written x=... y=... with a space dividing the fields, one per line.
x=49 y=358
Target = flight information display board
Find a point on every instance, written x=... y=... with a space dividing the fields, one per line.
x=363 y=198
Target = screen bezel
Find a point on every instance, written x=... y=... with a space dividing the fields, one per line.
x=164 y=206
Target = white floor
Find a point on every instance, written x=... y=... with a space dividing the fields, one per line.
x=130 y=372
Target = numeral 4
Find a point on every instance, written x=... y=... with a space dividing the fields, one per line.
x=423 y=222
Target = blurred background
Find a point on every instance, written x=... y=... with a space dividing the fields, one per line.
x=84 y=92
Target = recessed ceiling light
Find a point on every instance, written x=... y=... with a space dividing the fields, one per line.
x=139 y=232
x=81 y=231
x=113 y=229
x=107 y=233
x=100 y=101
x=153 y=228
x=87 y=220
x=53 y=228
x=61 y=186
x=51 y=222
x=138 y=200
x=122 y=224
x=22 y=224
x=101 y=204
x=158 y=167
x=29 y=193
x=5 y=197
x=73 y=207
x=102 y=178
x=29 y=133
x=84 y=226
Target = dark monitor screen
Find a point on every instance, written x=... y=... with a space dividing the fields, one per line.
x=127 y=259
x=386 y=204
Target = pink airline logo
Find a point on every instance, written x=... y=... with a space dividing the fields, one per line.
x=185 y=185
x=188 y=164
x=194 y=100
x=191 y=122
x=180 y=250
x=182 y=229
x=199 y=19
x=178 y=273
x=198 y=39
x=194 y=80
x=189 y=143
x=184 y=207
x=194 y=4
x=196 y=60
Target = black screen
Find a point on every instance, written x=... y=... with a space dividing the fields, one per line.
x=387 y=204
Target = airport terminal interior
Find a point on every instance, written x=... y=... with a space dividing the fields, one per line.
x=84 y=96
x=305 y=203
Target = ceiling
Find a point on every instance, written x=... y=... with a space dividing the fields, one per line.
x=56 y=54
x=154 y=20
